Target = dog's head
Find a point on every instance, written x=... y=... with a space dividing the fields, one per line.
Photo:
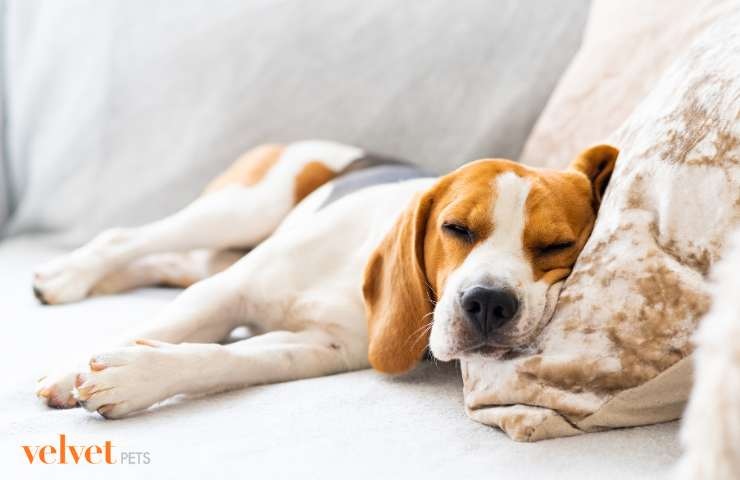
x=475 y=264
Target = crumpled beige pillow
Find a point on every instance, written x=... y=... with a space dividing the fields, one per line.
x=627 y=46
x=616 y=351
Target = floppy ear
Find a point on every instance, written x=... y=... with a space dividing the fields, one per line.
x=597 y=163
x=397 y=299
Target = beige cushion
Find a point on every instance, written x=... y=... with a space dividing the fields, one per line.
x=616 y=352
x=627 y=46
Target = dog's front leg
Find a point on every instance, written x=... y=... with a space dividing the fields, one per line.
x=206 y=312
x=130 y=379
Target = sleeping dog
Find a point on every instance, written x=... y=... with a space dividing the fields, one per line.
x=353 y=260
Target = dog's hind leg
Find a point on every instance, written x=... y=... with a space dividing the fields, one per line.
x=235 y=217
x=177 y=269
x=239 y=210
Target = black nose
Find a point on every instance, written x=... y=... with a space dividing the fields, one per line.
x=489 y=308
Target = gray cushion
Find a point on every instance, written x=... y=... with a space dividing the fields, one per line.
x=4 y=185
x=119 y=112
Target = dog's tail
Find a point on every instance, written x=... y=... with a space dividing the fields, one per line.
x=711 y=425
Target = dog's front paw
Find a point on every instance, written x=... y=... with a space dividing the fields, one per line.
x=66 y=279
x=56 y=390
x=128 y=379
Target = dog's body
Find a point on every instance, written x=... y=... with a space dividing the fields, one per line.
x=350 y=255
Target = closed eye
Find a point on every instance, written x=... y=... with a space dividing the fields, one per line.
x=459 y=231
x=556 y=247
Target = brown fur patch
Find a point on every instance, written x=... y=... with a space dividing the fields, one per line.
x=463 y=197
x=561 y=208
x=249 y=168
x=396 y=295
x=313 y=175
x=558 y=210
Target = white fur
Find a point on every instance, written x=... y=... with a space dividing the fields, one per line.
x=334 y=155
x=711 y=425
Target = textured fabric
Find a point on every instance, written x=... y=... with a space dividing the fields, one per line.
x=627 y=46
x=638 y=289
x=119 y=112
x=359 y=425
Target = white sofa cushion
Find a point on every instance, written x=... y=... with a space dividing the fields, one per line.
x=119 y=112
x=360 y=425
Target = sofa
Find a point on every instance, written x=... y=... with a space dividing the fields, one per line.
x=118 y=113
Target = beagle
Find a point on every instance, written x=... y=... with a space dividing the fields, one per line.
x=354 y=261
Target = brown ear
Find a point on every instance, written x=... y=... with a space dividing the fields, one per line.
x=597 y=163
x=397 y=299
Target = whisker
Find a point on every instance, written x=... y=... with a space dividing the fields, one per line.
x=421 y=332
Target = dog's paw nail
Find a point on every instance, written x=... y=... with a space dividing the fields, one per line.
x=96 y=366
x=66 y=279
x=56 y=390
x=83 y=393
x=105 y=410
x=39 y=295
